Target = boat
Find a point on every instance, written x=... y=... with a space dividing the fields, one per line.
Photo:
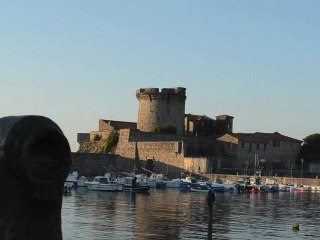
x=81 y=181
x=74 y=181
x=315 y=188
x=187 y=183
x=174 y=183
x=71 y=180
x=130 y=184
x=204 y=188
x=249 y=184
x=286 y=188
x=219 y=184
x=103 y=183
x=301 y=188
x=271 y=185
x=200 y=188
x=154 y=180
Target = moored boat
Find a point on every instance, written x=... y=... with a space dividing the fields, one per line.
x=103 y=183
x=315 y=188
x=130 y=184
x=271 y=185
x=249 y=184
x=200 y=188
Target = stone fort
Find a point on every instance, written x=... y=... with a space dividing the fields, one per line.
x=164 y=134
x=165 y=139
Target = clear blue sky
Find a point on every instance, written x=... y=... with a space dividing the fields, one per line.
x=78 y=61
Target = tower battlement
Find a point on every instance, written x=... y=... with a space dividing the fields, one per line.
x=179 y=91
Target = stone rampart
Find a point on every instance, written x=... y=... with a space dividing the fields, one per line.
x=93 y=164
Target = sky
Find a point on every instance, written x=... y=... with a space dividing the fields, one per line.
x=78 y=61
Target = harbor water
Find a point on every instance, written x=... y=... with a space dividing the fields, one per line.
x=170 y=214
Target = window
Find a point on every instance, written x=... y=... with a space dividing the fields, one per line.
x=274 y=143
x=258 y=146
x=242 y=144
x=250 y=146
x=265 y=147
x=278 y=144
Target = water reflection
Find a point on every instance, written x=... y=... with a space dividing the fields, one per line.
x=169 y=214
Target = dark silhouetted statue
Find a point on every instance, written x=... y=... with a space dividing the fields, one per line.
x=35 y=159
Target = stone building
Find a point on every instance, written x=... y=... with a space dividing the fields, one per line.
x=201 y=125
x=272 y=151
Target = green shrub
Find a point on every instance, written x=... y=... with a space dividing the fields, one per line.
x=97 y=137
x=111 y=142
x=166 y=128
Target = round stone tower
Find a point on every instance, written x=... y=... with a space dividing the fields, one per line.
x=159 y=108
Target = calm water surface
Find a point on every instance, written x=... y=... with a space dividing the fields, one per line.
x=169 y=214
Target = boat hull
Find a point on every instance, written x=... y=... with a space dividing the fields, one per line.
x=138 y=189
x=105 y=187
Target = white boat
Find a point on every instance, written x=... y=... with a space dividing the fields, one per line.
x=315 y=188
x=81 y=182
x=228 y=187
x=286 y=188
x=156 y=180
x=103 y=183
x=73 y=181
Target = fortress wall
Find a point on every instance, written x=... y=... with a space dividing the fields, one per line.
x=93 y=164
x=124 y=147
x=196 y=165
x=138 y=136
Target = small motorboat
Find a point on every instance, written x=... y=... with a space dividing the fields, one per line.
x=103 y=183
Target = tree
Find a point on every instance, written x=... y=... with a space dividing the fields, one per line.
x=310 y=150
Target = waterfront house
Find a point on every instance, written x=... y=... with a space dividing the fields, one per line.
x=271 y=151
